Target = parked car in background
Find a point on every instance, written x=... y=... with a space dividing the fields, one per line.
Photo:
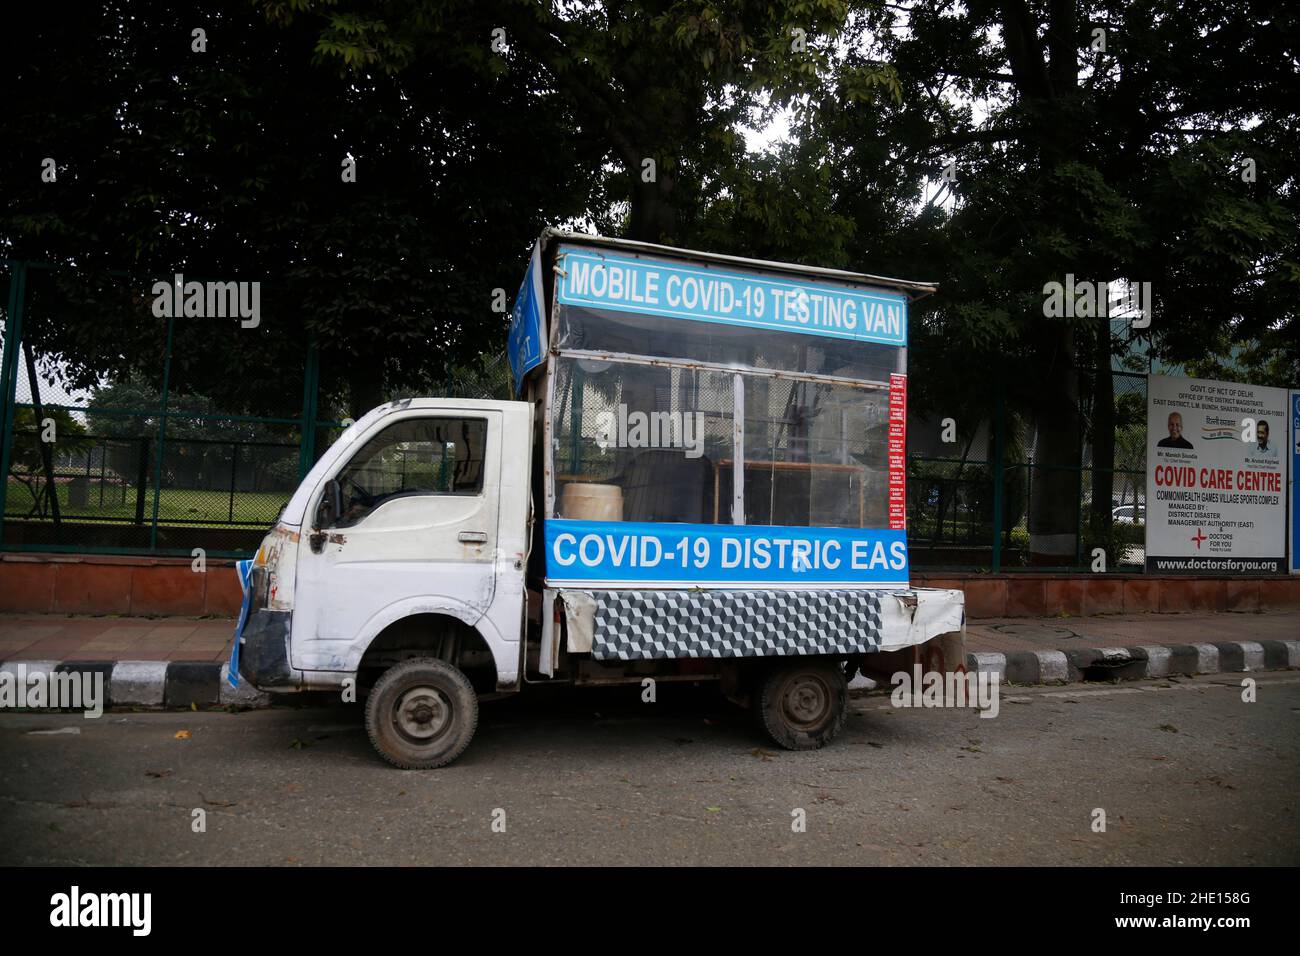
x=1129 y=514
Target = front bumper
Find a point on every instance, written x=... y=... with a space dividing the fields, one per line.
x=264 y=651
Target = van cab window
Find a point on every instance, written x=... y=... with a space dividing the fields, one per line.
x=416 y=456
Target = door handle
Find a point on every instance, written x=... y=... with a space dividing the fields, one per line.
x=472 y=537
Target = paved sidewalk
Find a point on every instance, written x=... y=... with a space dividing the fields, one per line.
x=48 y=637
x=52 y=638
x=1126 y=630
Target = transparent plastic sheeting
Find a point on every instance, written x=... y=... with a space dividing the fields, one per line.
x=662 y=337
x=815 y=454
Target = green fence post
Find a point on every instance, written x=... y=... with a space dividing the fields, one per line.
x=162 y=434
x=999 y=452
x=575 y=419
x=310 y=406
x=9 y=377
x=1078 y=514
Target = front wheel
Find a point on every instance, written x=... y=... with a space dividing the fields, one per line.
x=803 y=704
x=421 y=714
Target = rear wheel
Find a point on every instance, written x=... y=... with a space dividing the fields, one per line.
x=803 y=704
x=421 y=714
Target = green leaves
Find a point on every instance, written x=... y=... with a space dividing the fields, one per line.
x=355 y=42
x=227 y=163
x=867 y=81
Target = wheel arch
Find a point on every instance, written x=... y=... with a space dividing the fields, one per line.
x=446 y=630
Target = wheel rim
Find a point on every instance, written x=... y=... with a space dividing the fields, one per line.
x=422 y=715
x=806 y=700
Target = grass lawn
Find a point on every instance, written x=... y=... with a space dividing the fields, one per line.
x=207 y=508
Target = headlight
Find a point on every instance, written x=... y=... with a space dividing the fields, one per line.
x=259 y=587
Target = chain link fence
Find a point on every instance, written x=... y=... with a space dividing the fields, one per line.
x=144 y=461
x=151 y=457
x=969 y=507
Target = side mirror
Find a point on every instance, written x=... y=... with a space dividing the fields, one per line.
x=331 y=505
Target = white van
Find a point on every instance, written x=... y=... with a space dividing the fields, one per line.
x=704 y=480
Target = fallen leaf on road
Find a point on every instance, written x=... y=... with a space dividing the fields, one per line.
x=182 y=735
x=1169 y=728
x=157 y=773
x=714 y=809
x=765 y=755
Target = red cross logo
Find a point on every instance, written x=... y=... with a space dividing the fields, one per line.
x=1198 y=538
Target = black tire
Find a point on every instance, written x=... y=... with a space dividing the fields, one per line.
x=803 y=704
x=421 y=714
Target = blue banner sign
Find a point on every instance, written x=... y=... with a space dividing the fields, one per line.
x=526 y=343
x=712 y=555
x=245 y=570
x=602 y=280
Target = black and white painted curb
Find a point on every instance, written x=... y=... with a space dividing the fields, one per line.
x=163 y=684
x=154 y=683
x=1136 y=663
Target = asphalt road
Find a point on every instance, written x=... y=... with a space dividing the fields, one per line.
x=1186 y=772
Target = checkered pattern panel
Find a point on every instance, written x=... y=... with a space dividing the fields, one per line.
x=651 y=625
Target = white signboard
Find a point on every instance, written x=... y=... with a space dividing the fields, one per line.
x=1216 y=477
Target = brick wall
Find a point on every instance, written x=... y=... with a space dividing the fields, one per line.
x=1049 y=595
x=86 y=584
x=89 y=584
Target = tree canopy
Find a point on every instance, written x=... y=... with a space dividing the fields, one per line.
x=992 y=147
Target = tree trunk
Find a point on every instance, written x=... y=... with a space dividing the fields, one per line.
x=653 y=216
x=1048 y=88
x=1103 y=433
x=1054 y=510
x=365 y=385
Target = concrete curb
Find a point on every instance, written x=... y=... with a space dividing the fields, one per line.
x=162 y=684
x=1136 y=663
x=156 y=684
